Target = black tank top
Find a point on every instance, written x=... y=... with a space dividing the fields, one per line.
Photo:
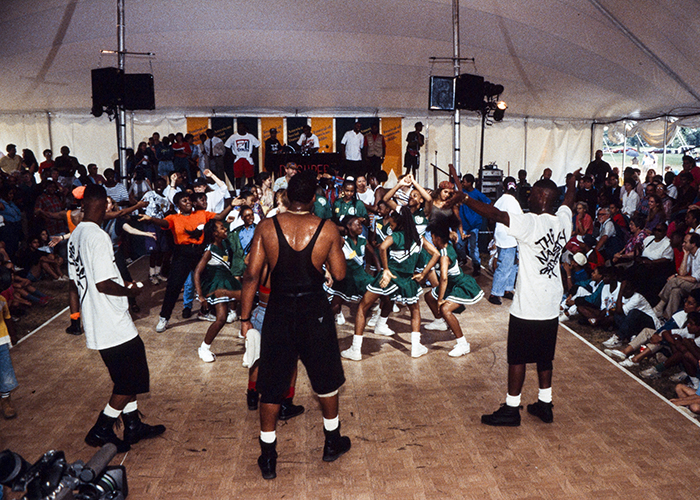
x=295 y=272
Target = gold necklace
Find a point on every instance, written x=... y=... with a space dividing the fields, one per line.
x=299 y=212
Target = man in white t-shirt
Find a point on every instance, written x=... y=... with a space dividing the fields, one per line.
x=351 y=146
x=109 y=329
x=506 y=269
x=308 y=141
x=242 y=144
x=679 y=286
x=532 y=330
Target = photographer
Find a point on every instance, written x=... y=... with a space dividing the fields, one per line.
x=96 y=281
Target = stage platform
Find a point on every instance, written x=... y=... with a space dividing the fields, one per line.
x=414 y=423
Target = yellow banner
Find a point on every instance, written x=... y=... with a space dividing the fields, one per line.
x=196 y=126
x=266 y=123
x=393 y=161
x=323 y=128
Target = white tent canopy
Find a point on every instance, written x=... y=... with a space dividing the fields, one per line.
x=557 y=59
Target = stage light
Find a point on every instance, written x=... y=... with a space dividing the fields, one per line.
x=500 y=111
x=502 y=105
x=492 y=90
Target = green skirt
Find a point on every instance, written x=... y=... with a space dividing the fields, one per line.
x=218 y=278
x=402 y=289
x=352 y=288
x=461 y=289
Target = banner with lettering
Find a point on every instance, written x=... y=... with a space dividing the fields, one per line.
x=197 y=126
x=323 y=128
x=393 y=161
x=294 y=125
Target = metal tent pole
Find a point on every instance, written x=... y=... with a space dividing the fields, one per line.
x=121 y=114
x=456 y=131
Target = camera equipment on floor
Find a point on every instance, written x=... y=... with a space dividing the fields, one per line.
x=51 y=477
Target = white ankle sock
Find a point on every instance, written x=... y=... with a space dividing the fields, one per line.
x=268 y=437
x=415 y=337
x=331 y=424
x=357 y=342
x=130 y=406
x=152 y=271
x=205 y=346
x=545 y=395
x=462 y=341
x=513 y=401
x=381 y=321
x=157 y=269
x=111 y=412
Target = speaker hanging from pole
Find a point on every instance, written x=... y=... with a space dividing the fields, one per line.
x=469 y=92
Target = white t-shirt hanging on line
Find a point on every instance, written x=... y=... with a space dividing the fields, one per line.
x=541 y=239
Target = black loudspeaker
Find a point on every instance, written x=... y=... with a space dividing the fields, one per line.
x=139 y=92
x=442 y=93
x=469 y=92
x=107 y=87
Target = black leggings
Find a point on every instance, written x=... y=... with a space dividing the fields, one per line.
x=185 y=260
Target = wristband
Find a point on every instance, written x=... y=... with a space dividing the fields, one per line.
x=245 y=320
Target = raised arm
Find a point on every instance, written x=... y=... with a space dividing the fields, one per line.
x=126 y=211
x=570 y=196
x=389 y=196
x=425 y=194
x=486 y=210
x=162 y=223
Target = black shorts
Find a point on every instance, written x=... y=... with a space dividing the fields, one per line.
x=127 y=367
x=531 y=341
x=301 y=327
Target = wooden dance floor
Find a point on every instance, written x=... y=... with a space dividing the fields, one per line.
x=414 y=423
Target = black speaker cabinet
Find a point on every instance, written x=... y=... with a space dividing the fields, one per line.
x=469 y=92
x=107 y=87
x=139 y=91
x=442 y=93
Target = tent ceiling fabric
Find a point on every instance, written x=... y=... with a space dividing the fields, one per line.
x=556 y=58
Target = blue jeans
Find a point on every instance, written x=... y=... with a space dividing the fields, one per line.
x=188 y=292
x=8 y=381
x=473 y=245
x=506 y=271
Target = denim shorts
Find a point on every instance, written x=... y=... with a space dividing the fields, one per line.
x=8 y=381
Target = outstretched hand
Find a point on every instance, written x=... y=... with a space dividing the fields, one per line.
x=386 y=278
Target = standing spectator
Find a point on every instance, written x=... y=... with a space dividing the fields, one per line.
x=506 y=269
x=165 y=156
x=308 y=141
x=375 y=149
x=415 y=140
x=116 y=190
x=143 y=159
x=11 y=231
x=181 y=155
x=11 y=162
x=472 y=222
x=242 y=145
x=524 y=189
x=351 y=148
x=588 y=194
x=66 y=165
x=29 y=161
x=48 y=162
x=272 y=148
x=193 y=159
x=94 y=176
x=598 y=169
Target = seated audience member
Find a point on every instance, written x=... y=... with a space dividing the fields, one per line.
x=575 y=273
x=609 y=237
x=594 y=257
x=632 y=354
x=588 y=194
x=686 y=192
x=692 y=219
x=603 y=314
x=632 y=314
x=656 y=212
x=583 y=225
x=36 y=263
x=629 y=198
x=688 y=278
x=655 y=264
x=684 y=350
x=584 y=294
x=633 y=247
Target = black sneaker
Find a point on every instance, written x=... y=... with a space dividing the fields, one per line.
x=267 y=461
x=186 y=313
x=74 y=328
x=135 y=430
x=335 y=445
x=495 y=300
x=103 y=432
x=508 y=295
x=252 y=399
x=542 y=410
x=290 y=410
x=505 y=416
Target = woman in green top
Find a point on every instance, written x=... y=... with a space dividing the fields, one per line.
x=348 y=205
x=455 y=288
x=352 y=288
x=214 y=281
x=398 y=282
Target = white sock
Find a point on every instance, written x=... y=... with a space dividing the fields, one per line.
x=381 y=321
x=357 y=342
x=130 y=406
x=111 y=412
x=462 y=341
x=268 y=437
x=157 y=269
x=513 y=401
x=573 y=310
x=545 y=395
x=205 y=346
x=152 y=271
x=415 y=338
x=331 y=424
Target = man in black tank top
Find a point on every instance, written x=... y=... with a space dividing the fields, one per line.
x=299 y=322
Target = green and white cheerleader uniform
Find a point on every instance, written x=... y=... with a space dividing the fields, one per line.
x=353 y=287
x=341 y=209
x=461 y=288
x=421 y=222
x=402 y=264
x=217 y=274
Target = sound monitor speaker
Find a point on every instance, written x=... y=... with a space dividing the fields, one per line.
x=442 y=93
x=469 y=92
x=107 y=87
x=139 y=92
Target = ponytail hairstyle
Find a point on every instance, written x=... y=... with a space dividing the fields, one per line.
x=209 y=229
x=406 y=224
x=510 y=186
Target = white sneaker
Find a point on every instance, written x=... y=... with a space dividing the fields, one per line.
x=384 y=330
x=153 y=279
x=352 y=354
x=650 y=373
x=615 y=353
x=63 y=278
x=439 y=324
x=339 y=319
x=613 y=341
x=417 y=350
x=563 y=317
x=693 y=382
x=373 y=320
x=628 y=363
x=459 y=350
x=231 y=316
x=161 y=277
x=162 y=325
x=206 y=355
x=206 y=317
x=678 y=377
